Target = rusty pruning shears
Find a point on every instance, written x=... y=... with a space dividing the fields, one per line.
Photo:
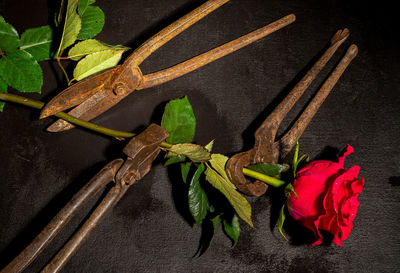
x=141 y=152
x=98 y=93
x=269 y=150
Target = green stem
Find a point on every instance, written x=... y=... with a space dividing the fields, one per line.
x=275 y=182
x=120 y=134
x=88 y=125
x=63 y=70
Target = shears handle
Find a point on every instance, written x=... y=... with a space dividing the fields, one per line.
x=212 y=55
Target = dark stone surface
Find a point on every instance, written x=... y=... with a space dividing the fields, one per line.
x=147 y=230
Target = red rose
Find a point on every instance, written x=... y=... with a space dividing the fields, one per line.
x=327 y=197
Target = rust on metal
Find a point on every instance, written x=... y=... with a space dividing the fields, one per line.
x=94 y=186
x=141 y=152
x=115 y=84
x=181 y=69
x=266 y=148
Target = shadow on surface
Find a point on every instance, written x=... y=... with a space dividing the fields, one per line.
x=30 y=231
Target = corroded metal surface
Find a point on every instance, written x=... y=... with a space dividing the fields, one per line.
x=269 y=150
x=116 y=83
x=93 y=187
x=181 y=69
x=141 y=152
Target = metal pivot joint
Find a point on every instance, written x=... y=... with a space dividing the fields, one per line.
x=98 y=93
x=141 y=152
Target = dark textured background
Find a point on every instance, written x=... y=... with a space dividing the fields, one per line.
x=147 y=230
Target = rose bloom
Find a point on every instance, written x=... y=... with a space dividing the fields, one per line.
x=327 y=197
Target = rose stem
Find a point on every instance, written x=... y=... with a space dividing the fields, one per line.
x=120 y=134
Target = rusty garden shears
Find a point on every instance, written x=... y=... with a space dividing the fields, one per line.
x=269 y=150
x=121 y=174
x=98 y=93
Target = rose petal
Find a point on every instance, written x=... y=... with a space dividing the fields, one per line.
x=327 y=197
x=348 y=150
x=319 y=169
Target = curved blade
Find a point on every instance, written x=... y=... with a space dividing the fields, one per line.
x=77 y=93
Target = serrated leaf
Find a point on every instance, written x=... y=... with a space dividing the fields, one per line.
x=96 y=62
x=90 y=46
x=281 y=220
x=232 y=228
x=83 y=4
x=9 y=39
x=72 y=26
x=3 y=89
x=269 y=168
x=174 y=159
x=197 y=197
x=195 y=153
x=92 y=22
x=239 y=203
x=218 y=162
x=209 y=146
x=185 y=168
x=37 y=41
x=21 y=71
x=179 y=121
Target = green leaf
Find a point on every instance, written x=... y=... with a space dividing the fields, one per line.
x=185 y=168
x=281 y=220
x=195 y=153
x=60 y=14
x=197 y=197
x=295 y=157
x=269 y=168
x=96 y=62
x=3 y=89
x=216 y=221
x=21 y=71
x=307 y=159
x=289 y=190
x=2 y=19
x=92 y=22
x=91 y=46
x=83 y=4
x=174 y=159
x=72 y=26
x=232 y=228
x=209 y=146
x=218 y=162
x=179 y=121
x=221 y=182
x=9 y=39
x=37 y=41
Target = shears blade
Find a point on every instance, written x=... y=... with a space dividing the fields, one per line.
x=77 y=93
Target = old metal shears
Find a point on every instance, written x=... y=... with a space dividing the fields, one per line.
x=98 y=93
x=141 y=152
x=269 y=150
